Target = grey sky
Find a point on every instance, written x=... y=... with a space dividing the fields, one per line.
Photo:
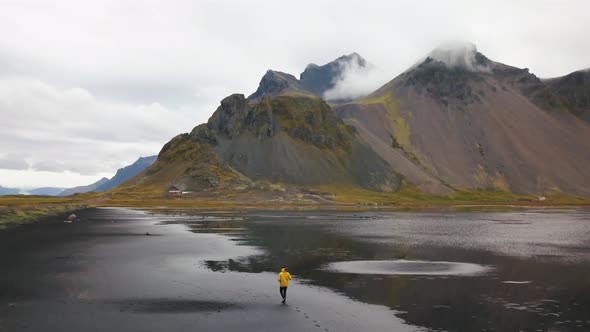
x=89 y=86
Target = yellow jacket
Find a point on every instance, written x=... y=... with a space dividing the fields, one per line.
x=284 y=278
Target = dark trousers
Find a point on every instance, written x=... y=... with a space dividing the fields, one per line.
x=283 y=291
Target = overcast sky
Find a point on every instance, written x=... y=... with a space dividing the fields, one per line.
x=87 y=87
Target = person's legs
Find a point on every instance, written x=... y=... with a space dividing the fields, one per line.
x=282 y=291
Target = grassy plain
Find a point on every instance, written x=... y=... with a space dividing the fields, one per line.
x=19 y=209
x=22 y=209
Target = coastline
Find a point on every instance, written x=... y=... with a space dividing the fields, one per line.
x=15 y=210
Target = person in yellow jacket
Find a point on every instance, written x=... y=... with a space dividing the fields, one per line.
x=283 y=279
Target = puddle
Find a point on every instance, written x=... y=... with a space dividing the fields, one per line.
x=406 y=267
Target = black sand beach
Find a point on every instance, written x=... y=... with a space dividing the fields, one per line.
x=104 y=274
x=127 y=270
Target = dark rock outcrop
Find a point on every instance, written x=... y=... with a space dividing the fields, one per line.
x=574 y=92
x=275 y=82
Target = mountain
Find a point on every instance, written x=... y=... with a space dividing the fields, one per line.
x=126 y=173
x=289 y=138
x=186 y=163
x=46 y=191
x=455 y=120
x=9 y=191
x=458 y=120
x=84 y=189
x=293 y=138
x=316 y=80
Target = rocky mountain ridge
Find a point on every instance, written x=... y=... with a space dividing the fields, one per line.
x=454 y=121
x=315 y=80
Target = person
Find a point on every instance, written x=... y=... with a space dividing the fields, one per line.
x=284 y=278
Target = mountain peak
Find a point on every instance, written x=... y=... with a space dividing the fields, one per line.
x=319 y=79
x=314 y=79
x=274 y=82
x=462 y=55
x=353 y=58
x=450 y=72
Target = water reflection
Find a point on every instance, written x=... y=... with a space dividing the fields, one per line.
x=540 y=280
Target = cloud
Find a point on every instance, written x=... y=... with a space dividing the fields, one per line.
x=30 y=179
x=50 y=129
x=457 y=54
x=88 y=86
x=8 y=161
x=357 y=79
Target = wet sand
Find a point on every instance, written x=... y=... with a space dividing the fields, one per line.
x=104 y=273
x=354 y=271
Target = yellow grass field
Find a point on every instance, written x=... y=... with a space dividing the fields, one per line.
x=20 y=209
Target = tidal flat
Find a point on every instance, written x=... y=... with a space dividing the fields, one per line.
x=135 y=270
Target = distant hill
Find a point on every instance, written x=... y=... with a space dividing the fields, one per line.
x=122 y=175
x=125 y=173
x=46 y=191
x=84 y=189
x=9 y=191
